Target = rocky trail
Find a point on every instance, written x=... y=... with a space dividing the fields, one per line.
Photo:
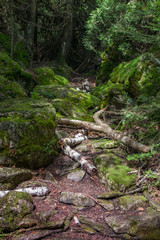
x=81 y=206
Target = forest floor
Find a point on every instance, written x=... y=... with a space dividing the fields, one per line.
x=90 y=186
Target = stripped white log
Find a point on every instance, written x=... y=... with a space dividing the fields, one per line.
x=90 y=168
x=74 y=141
x=34 y=191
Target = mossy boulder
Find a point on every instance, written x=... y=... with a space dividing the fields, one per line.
x=19 y=52
x=131 y=202
x=11 y=177
x=67 y=101
x=140 y=76
x=113 y=171
x=10 y=89
x=46 y=76
x=13 y=72
x=27 y=132
x=14 y=207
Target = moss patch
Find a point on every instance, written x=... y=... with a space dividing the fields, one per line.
x=46 y=76
x=13 y=72
x=10 y=89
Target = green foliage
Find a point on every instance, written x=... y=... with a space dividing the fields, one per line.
x=123 y=28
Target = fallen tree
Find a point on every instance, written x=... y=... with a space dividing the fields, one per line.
x=100 y=126
x=67 y=150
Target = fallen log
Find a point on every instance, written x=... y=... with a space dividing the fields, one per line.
x=34 y=191
x=99 y=126
x=87 y=166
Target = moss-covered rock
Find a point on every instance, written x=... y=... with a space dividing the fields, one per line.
x=67 y=101
x=113 y=171
x=136 y=77
x=46 y=76
x=14 y=206
x=27 y=132
x=11 y=177
x=10 y=89
x=131 y=202
x=19 y=52
x=13 y=72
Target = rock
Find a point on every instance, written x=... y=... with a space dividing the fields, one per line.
x=92 y=225
x=77 y=199
x=144 y=226
x=113 y=172
x=107 y=204
x=110 y=195
x=65 y=165
x=131 y=202
x=27 y=130
x=44 y=217
x=14 y=207
x=155 y=205
x=49 y=177
x=76 y=175
x=27 y=222
x=118 y=223
x=11 y=177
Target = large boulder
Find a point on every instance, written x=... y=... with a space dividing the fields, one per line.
x=14 y=207
x=27 y=133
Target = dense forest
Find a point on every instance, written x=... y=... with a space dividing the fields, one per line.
x=80 y=119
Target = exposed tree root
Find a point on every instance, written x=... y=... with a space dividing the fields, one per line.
x=100 y=126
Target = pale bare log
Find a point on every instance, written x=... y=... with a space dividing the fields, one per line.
x=73 y=141
x=34 y=191
x=88 y=167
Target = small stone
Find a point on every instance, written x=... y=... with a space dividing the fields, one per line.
x=76 y=176
x=49 y=177
x=131 y=202
x=77 y=199
x=118 y=224
x=155 y=205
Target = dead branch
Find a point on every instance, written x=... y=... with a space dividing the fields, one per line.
x=105 y=128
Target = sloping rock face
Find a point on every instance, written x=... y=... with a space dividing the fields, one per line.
x=67 y=101
x=27 y=133
x=11 y=177
x=14 y=206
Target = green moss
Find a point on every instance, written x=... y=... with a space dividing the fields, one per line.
x=13 y=72
x=118 y=175
x=10 y=89
x=46 y=76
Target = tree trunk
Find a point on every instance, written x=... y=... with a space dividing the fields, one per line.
x=67 y=36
